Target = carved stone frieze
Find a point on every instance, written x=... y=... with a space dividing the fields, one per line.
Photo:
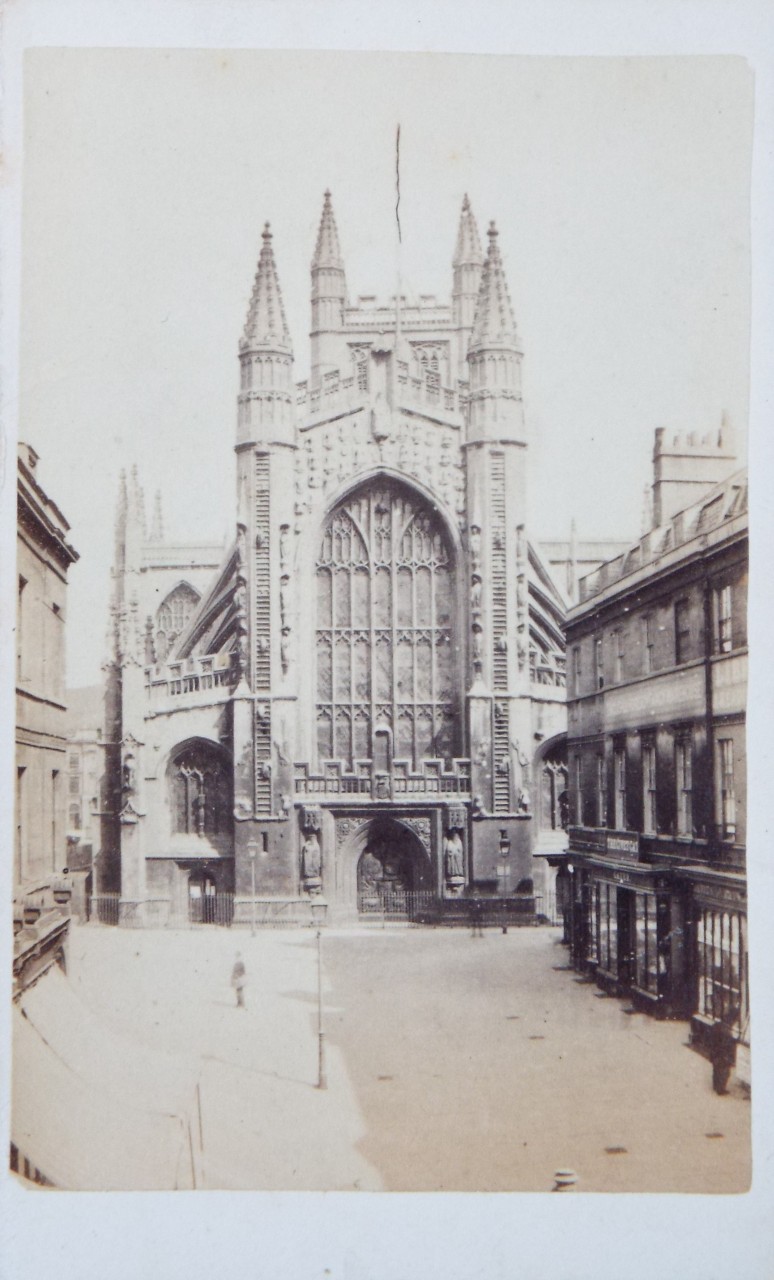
x=330 y=455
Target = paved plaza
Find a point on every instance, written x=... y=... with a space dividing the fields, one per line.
x=452 y=1062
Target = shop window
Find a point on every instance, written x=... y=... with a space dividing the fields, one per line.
x=608 y=928
x=646 y=943
x=722 y=965
x=726 y=790
x=684 y=779
x=649 y=788
x=601 y=792
x=682 y=631
x=620 y=788
x=724 y=640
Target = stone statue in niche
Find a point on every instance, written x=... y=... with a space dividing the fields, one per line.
x=283 y=545
x=311 y=863
x=522 y=779
x=285 y=649
x=284 y=601
x=478 y=648
x=475 y=593
x=128 y=787
x=241 y=547
x=475 y=547
x=454 y=861
x=311 y=854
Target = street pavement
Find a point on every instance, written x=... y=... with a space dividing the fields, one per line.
x=452 y=1062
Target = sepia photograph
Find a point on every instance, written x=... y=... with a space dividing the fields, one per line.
x=381 y=625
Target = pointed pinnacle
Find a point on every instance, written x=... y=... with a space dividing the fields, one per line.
x=467 y=250
x=266 y=325
x=494 y=323
x=327 y=252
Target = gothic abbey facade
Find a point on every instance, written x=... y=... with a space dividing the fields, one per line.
x=364 y=695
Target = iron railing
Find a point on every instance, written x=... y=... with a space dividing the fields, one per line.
x=104 y=907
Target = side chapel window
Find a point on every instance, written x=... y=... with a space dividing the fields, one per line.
x=173 y=617
x=200 y=788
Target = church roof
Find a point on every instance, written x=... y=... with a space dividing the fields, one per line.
x=327 y=252
x=494 y=324
x=468 y=250
x=266 y=326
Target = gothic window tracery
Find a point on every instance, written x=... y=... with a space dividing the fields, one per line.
x=200 y=789
x=384 y=631
x=173 y=616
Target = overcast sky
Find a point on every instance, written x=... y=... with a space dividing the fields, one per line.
x=620 y=188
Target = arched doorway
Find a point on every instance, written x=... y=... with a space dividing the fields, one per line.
x=392 y=869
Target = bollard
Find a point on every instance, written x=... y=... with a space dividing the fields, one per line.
x=565 y=1180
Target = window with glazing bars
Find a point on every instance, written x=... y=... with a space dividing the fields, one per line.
x=385 y=661
x=649 y=788
x=726 y=790
x=724 y=625
x=684 y=775
x=620 y=788
x=601 y=792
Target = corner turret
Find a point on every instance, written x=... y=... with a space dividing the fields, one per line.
x=329 y=296
x=494 y=358
x=467 y=265
x=266 y=359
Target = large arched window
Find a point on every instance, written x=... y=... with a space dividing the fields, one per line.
x=385 y=665
x=200 y=790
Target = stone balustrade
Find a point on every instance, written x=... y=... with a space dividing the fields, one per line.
x=211 y=675
x=432 y=778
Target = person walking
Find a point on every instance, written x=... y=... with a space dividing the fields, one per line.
x=239 y=980
x=723 y=1050
x=477 y=913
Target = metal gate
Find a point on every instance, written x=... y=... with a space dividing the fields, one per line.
x=211 y=908
x=395 y=903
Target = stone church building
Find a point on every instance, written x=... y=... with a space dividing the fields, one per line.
x=360 y=699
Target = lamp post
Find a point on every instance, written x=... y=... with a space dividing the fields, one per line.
x=322 y=1082
x=252 y=849
x=505 y=849
x=94 y=902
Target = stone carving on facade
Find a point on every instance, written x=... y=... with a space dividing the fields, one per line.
x=454 y=861
x=522 y=598
x=420 y=827
x=311 y=853
x=284 y=546
x=523 y=802
x=478 y=648
x=433 y=457
x=345 y=828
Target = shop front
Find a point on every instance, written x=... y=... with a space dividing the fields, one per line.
x=722 y=995
x=627 y=925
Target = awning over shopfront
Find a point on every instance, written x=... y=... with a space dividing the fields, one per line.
x=93 y=1111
